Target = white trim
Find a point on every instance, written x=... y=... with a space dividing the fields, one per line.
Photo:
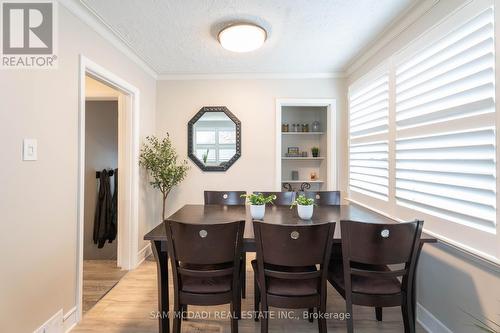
x=332 y=125
x=144 y=253
x=250 y=76
x=128 y=193
x=94 y=21
x=399 y=25
x=429 y=322
x=70 y=319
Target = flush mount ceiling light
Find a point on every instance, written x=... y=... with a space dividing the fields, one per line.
x=242 y=37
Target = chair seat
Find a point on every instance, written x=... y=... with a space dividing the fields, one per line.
x=288 y=287
x=363 y=284
x=203 y=285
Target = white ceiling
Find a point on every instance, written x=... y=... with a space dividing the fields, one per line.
x=315 y=36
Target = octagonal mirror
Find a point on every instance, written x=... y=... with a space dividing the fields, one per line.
x=214 y=138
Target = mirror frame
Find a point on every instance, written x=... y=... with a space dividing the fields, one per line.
x=226 y=165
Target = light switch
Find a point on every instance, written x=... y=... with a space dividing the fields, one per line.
x=29 y=150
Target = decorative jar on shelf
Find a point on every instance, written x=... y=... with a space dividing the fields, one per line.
x=315 y=126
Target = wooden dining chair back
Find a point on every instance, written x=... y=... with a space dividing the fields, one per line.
x=323 y=198
x=287 y=273
x=229 y=198
x=282 y=198
x=205 y=261
x=365 y=278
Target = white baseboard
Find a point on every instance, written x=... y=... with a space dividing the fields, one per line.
x=70 y=320
x=143 y=254
x=429 y=322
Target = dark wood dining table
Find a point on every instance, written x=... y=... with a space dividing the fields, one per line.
x=207 y=214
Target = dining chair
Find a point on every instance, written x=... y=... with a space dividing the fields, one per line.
x=205 y=260
x=323 y=198
x=364 y=276
x=230 y=198
x=282 y=198
x=286 y=273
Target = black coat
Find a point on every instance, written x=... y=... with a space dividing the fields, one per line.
x=105 y=212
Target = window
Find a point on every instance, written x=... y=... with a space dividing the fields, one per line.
x=446 y=96
x=217 y=144
x=368 y=148
x=422 y=133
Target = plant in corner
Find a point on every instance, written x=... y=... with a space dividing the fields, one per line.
x=159 y=158
x=315 y=151
x=258 y=204
x=304 y=207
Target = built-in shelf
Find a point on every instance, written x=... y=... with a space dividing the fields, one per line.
x=301 y=133
x=302 y=158
x=302 y=181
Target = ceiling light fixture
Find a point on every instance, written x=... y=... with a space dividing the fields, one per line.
x=242 y=37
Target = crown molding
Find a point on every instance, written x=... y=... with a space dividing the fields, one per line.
x=92 y=19
x=250 y=76
x=399 y=25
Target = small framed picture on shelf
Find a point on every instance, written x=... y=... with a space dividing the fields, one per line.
x=293 y=151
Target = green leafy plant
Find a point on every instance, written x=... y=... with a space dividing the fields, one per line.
x=315 y=151
x=485 y=325
x=159 y=158
x=205 y=156
x=259 y=199
x=303 y=201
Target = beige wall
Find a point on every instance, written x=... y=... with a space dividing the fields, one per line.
x=254 y=103
x=38 y=200
x=449 y=280
x=101 y=152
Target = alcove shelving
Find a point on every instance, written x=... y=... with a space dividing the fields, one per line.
x=296 y=138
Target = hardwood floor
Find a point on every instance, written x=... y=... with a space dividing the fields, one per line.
x=131 y=305
x=99 y=277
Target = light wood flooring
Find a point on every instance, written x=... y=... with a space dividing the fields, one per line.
x=99 y=277
x=131 y=305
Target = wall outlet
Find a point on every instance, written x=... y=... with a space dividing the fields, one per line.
x=53 y=325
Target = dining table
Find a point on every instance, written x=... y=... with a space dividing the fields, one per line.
x=210 y=214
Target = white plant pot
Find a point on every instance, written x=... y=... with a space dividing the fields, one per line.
x=305 y=212
x=258 y=211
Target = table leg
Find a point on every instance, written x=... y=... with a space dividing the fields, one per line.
x=414 y=287
x=161 y=256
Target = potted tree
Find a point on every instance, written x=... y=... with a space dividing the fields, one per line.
x=304 y=207
x=159 y=158
x=258 y=204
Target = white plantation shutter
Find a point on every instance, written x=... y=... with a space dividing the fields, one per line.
x=368 y=128
x=445 y=127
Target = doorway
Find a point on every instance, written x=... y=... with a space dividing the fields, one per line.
x=108 y=144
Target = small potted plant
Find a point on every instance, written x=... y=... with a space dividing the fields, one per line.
x=304 y=207
x=315 y=151
x=258 y=204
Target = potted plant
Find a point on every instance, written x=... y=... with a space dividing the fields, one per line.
x=315 y=151
x=159 y=158
x=304 y=207
x=258 y=204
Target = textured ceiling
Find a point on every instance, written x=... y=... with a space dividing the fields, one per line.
x=304 y=36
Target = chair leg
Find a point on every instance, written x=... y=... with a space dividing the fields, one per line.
x=243 y=275
x=184 y=308
x=264 y=321
x=407 y=312
x=256 y=297
x=234 y=320
x=350 y=320
x=378 y=313
x=311 y=314
x=321 y=315
x=177 y=317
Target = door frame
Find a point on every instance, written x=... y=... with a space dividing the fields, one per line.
x=128 y=164
x=332 y=133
